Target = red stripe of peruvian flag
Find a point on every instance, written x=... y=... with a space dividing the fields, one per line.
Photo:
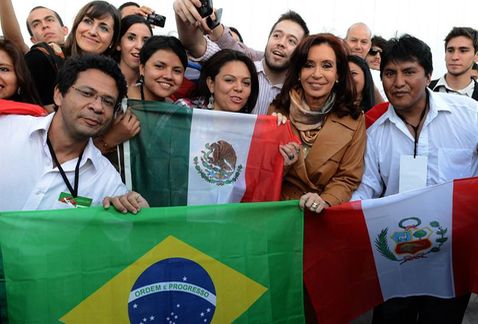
x=264 y=165
x=422 y=242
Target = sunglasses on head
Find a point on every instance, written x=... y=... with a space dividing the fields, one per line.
x=374 y=52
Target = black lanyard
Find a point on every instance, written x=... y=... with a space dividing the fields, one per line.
x=415 y=129
x=73 y=191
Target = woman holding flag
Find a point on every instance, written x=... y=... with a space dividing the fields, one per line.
x=318 y=98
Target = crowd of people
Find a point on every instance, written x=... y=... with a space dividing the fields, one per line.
x=327 y=87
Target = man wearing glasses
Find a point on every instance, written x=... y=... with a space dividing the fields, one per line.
x=51 y=162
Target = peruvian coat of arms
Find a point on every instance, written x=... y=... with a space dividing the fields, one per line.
x=217 y=163
x=412 y=241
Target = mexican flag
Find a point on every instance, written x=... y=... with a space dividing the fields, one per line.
x=237 y=263
x=421 y=242
x=194 y=157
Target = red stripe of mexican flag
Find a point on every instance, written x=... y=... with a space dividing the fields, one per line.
x=362 y=253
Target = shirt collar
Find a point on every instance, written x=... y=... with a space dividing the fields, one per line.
x=436 y=103
x=260 y=71
x=467 y=91
x=91 y=153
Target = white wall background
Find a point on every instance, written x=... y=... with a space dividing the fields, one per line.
x=429 y=20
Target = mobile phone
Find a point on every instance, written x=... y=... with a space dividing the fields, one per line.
x=206 y=8
x=214 y=23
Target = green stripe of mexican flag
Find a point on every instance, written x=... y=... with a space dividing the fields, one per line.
x=192 y=156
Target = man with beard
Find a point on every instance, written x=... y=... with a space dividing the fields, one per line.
x=285 y=35
x=461 y=52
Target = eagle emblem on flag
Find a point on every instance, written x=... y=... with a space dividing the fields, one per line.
x=217 y=164
x=412 y=241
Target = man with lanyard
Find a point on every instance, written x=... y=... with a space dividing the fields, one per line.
x=461 y=52
x=50 y=162
x=423 y=138
x=285 y=35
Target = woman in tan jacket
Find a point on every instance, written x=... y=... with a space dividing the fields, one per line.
x=317 y=98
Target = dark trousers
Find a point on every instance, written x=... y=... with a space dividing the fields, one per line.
x=421 y=310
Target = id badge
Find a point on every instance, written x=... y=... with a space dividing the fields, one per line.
x=413 y=172
x=78 y=202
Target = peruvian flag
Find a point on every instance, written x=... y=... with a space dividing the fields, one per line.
x=20 y=108
x=422 y=242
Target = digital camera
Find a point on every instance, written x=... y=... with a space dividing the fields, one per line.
x=157 y=20
x=206 y=8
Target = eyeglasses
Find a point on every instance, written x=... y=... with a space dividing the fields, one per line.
x=374 y=52
x=107 y=102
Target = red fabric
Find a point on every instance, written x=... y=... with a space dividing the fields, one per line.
x=375 y=113
x=339 y=269
x=264 y=177
x=465 y=242
x=186 y=89
x=20 y=108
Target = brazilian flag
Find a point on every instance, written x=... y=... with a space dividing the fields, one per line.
x=238 y=263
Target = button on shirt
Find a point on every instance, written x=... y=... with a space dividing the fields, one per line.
x=28 y=179
x=449 y=140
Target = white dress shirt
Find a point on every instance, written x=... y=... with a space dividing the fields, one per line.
x=28 y=179
x=449 y=140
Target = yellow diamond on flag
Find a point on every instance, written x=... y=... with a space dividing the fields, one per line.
x=173 y=281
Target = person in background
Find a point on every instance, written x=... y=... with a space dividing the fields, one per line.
x=43 y=25
x=318 y=98
x=228 y=82
x=15 y=80
x=423 y=138
x=135 y=31
x=363 y=81
x=236 y=35
x=375 y=53
x=133 y=8
x=95 y=30
x=359 y=40
x=461 y=52
x=163 y=61
x=285 y=35
x=474 y=71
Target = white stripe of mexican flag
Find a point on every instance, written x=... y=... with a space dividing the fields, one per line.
x=216 y=136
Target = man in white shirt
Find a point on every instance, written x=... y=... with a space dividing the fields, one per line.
x=285 y=35
x=461 y=52
x=424 y=138
x=51 y=162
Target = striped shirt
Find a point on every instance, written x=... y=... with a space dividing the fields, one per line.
x=267 y=91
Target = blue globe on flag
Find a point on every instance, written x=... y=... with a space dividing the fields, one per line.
x=172 y=291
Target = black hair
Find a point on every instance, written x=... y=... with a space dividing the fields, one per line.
x=344 y=89
x=292 y=16
x=407 y=48
x=168 y=43
x=68 y=74
x=126 y=23
x=467 y=32
x=368 y=92
x=233 y=29
x=42 y=7
x=26 y=91
x=212 y=67
x=379 y=41
x=128 y=4
x=93 y=9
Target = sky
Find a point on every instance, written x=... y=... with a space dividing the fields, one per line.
x=426 y=19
